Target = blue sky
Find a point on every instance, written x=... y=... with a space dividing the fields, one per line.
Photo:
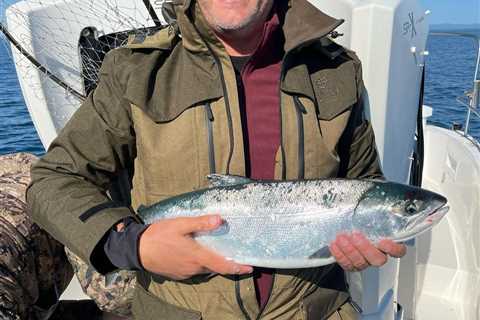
x=453 y=11
x=3 y=5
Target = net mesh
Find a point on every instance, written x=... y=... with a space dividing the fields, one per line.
x=60 y=45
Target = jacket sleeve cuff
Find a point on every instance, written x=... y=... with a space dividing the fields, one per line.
x=121 y=247
x=89 y=245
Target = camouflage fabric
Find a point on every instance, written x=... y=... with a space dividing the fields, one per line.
x=33 y=266
x=112 y=293
x=34 y=269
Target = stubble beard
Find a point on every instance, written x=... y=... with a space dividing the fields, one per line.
x=225 y=27
x=240 y=37
x=228 y=27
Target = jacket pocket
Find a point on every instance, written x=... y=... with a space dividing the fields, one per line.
x=168 y=162
x=148 y=307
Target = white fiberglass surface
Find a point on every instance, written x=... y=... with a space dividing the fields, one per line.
x=449 y=256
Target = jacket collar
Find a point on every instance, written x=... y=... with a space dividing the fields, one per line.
x=302 y=25
x=301 y=22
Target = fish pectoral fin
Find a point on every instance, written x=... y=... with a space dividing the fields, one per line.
x=323 y=253
x=220 y=180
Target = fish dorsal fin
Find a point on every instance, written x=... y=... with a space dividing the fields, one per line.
x=220 y=180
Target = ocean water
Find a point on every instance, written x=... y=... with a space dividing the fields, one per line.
x=450 y=69
x=450 y=72
x=17 y=133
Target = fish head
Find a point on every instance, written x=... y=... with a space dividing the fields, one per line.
x=396 y=211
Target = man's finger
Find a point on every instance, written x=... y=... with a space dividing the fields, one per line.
x=373 y=256
x=391 y=248
x=351 y=252
x=218 y=264
x=190 y=225
x=341 y=259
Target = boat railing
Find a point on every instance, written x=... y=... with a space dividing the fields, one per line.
x=470 y=99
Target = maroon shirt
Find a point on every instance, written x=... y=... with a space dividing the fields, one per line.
x=259 y=95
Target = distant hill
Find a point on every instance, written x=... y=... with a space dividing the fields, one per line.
x=454 y=27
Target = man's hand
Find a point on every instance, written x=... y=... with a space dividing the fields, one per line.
x=167 y=248
x=355 y=252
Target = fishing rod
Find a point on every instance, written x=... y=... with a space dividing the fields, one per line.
x=152 y=13
x=39 y=66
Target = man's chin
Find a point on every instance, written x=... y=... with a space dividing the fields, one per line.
x=232 y=26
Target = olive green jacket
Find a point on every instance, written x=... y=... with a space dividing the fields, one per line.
x=166 y=111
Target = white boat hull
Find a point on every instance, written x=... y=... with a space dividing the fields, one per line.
x=448 y=257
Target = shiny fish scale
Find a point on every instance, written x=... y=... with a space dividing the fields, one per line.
x=269 y=221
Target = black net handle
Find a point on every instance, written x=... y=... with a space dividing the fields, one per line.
x=39 y=66
x=152 y=13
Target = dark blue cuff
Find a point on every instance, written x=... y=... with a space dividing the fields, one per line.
x=121 y=248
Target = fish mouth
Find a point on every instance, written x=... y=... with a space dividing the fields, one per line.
x=438 y=214
x=422 y=224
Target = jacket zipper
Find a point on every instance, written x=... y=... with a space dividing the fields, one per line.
x=282 y=147
x=227 y=105
x=211 y=147
x=227 y=100
x=268 y=299
x=229 y=114
x=301 y=110
x=238 y=296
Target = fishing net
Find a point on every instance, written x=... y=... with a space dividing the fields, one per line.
x=59 y=45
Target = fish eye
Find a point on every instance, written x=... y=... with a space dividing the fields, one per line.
x=411 y=208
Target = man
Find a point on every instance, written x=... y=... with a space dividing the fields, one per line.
x=245 y=87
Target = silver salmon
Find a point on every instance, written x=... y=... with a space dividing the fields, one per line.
x=290 y=224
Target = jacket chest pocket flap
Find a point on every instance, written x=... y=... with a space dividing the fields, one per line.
x=335 y=88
